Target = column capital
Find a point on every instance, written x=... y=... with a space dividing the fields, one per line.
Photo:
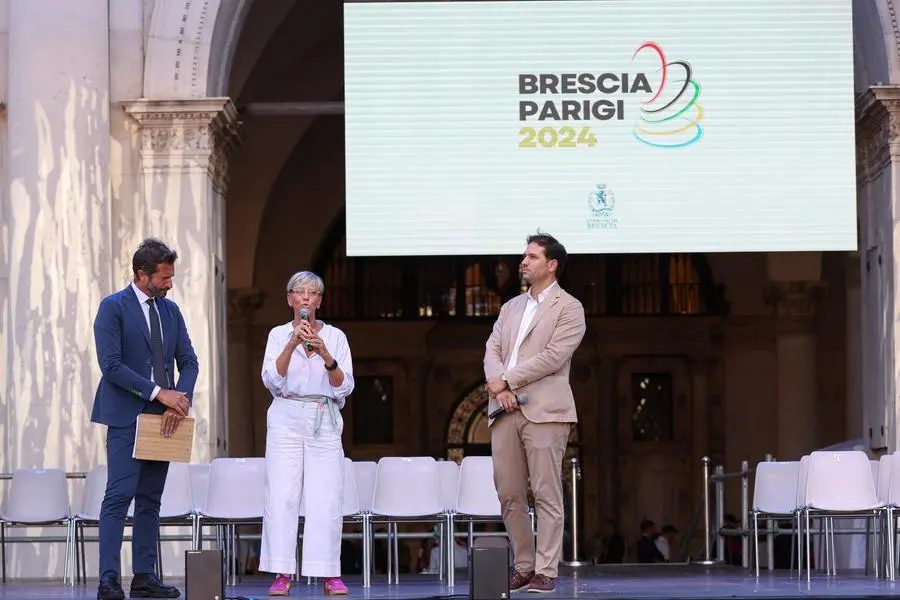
x=794 y=303
x=186 y=134
x=242 y=302
x=877 y=129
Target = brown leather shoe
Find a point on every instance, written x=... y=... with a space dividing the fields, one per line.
x=542 y=584
x=519 y=580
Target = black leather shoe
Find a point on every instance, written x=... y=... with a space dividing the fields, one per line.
x=110 y=588
x=149 y=586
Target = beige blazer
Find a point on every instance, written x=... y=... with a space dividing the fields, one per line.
x=545 y=356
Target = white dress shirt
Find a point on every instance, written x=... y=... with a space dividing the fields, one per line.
x=306 y=375
x=531 y=307
x=662 y=544
x=142 y=300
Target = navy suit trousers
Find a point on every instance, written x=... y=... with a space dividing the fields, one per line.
x=129 y=478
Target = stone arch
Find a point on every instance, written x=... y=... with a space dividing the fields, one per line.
x=467 y=429
x=190 y=46
x=876 y=43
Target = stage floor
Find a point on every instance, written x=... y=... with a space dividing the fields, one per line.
x=663 y=581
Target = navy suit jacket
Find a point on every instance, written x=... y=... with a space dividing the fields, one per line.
x=123 y=350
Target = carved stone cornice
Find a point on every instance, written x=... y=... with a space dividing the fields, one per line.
x=877 y=130
x=187 y=135
x=794 y=303
x=243 y=302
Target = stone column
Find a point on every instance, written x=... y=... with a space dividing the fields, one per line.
x=794 y=304
x=242 y=304
x=878 y=188
x=854 y=415
x=184 y=145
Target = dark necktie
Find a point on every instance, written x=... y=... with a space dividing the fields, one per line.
x=160 y=375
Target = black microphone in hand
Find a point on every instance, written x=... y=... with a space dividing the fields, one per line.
x=520 y=400
x=304 y=316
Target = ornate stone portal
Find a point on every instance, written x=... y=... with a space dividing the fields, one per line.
x=184 y=152
x=878 y=185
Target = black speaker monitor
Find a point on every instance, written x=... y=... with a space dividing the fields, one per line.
x=489 y=566
x=204 y=575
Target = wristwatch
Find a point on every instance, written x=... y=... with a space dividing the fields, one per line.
x=332 y=366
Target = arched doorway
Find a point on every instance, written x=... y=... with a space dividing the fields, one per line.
x=468 y=433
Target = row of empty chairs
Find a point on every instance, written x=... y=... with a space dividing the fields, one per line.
x=231 y=491
x=826 y=485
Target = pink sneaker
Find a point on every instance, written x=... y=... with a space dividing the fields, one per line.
x=335 y=587
x=281 y=586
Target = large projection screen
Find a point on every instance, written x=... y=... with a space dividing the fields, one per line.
x=619 y=126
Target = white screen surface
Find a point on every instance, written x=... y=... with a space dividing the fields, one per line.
x=448 y=151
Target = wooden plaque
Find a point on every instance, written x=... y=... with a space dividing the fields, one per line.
x=149 y=443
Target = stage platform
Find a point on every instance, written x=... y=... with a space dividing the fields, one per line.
x=664 y=581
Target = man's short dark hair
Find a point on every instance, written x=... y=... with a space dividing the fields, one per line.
x=150 y=254
x=552 y=249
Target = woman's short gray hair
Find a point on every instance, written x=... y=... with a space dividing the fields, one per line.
x=304 y=279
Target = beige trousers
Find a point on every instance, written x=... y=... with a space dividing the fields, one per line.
x=526 y=452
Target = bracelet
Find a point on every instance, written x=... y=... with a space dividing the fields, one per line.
x=332 y=366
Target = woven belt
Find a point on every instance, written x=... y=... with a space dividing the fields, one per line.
x=325 y=403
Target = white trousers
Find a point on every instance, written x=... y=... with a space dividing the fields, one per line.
x=299 y=465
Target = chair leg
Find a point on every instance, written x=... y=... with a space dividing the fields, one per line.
x=890 y=535
x=159 y=571
x=396 y=547
x=442 y=566
x=451 y=554
x=755 y=517
x=798 y=527
x=3 y=548
x=831 y=548
x=367 y=551
x=808 y=548
x=390 y=552
x=69 y=573
x=83 y=553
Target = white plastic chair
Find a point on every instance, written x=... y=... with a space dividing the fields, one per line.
x=236 y=495
x=40 y=497
x=199 y=484
x=365 y=483
x=448 y=470
x=88 y=514
x=477 y=499
x=775 y=495
x=176 y=507
x=839 y=484
x=407 y=489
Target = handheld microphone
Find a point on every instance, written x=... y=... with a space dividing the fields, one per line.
x=520 y=400
x=304 y=316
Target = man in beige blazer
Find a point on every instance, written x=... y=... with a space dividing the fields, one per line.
x=526 y=364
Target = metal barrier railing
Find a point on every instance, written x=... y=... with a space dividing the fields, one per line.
x=574 y=515
x=718 y=478
x=72 y=475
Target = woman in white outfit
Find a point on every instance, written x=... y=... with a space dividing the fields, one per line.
x=309 y=371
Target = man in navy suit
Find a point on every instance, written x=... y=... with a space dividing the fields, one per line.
x=140 y=337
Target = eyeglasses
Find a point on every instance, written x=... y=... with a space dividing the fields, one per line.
x=302 y=292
